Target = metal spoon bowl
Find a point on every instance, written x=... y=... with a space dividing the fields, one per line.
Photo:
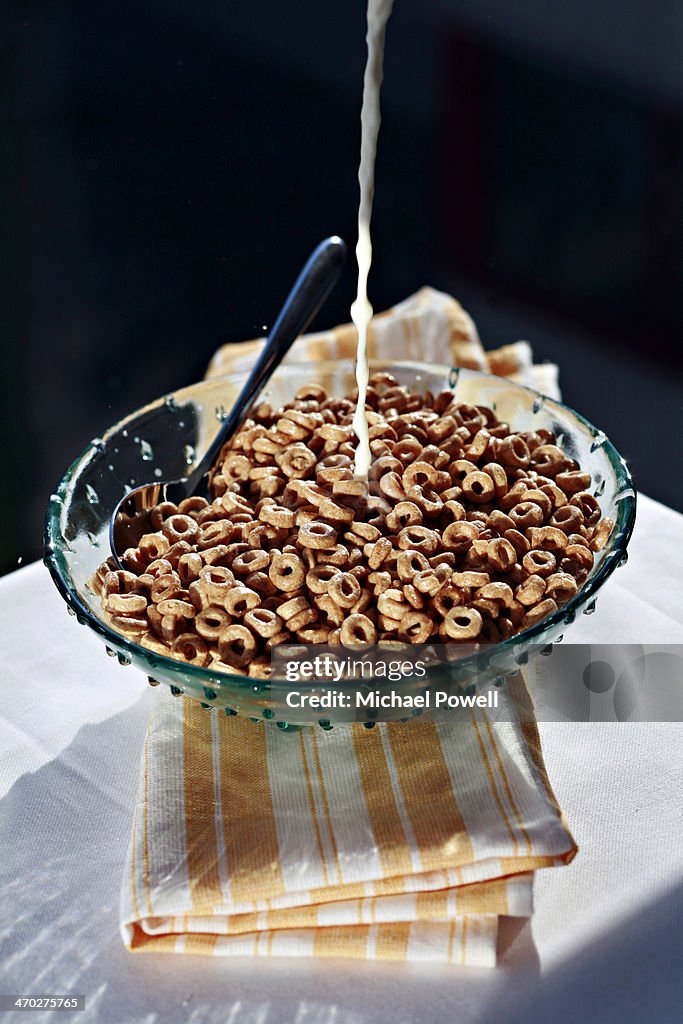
x=130 y=519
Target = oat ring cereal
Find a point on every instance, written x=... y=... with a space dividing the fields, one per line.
x=358 y=629
x=462 y=623
x=466 y=531
x=287 y=571
x=344 y=589
x=191 y=648
x=236 y=645
x=317 y=535
x=210 y=622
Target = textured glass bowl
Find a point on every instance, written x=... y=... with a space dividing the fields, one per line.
x=162 y=440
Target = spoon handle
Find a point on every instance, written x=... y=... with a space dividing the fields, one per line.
x=311 y=288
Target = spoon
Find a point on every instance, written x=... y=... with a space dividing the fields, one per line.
x=130 y=520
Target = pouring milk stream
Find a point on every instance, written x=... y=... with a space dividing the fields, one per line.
x=361 y=310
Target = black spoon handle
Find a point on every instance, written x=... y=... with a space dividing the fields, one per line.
x=311 y=288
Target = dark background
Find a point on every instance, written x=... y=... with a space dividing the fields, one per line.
x=165 y=168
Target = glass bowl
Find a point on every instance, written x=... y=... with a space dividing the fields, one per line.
x=163 y=440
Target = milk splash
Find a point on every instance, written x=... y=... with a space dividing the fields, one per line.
x=361 y=310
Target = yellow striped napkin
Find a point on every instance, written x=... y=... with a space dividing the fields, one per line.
x=429 y=326
x=405 y=842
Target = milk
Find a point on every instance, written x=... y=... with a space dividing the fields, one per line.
x=361 y=310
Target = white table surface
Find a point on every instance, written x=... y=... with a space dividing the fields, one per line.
x=604 y=944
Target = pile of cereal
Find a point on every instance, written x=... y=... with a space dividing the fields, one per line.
x=466 y=532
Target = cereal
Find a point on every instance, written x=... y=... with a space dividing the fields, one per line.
x=165 y=586
x=539 y=611
x=210 y=622
x=530 y=591
x=287 y=572
x=159 y=567
x=513 y=452
x=161 y=512
x=478 y=487
x=377 y=552
x=602 y=532
x=178 y=527
x=561 y=586
x=318 y=535
x=420 y=538
x=541 y=563
x=501 y=593
x=573 y=481
x=189 y=567
x=211 y=534
x=518 y=541
x=463 y=623
x=190 y=506
x=415 y=628
x=392 y=603
x=126 y=604
x=413 y=596
x=547 y=538
x=358 y=628
x=465 y=532
x=129 y=624
x=526 y=514
x=191 y=648
x=176 y=551
x=236 y=645
x=176 y=608
x=276 y=515
x=250 y=561
x=153 y=546
x=240 y=599
x=263 y=621
x=409 y=563
x=501 y=554
x=344 y=589
x=260 y=582
x=547 y=460
x=459 y=536
x=333 y=613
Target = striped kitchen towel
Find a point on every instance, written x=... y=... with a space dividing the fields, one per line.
x=407 y=841
x=429 y=327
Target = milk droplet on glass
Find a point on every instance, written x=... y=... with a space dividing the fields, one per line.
x=92 y=495
x=146 y=451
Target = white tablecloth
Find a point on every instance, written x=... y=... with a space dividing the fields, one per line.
x=605 y=941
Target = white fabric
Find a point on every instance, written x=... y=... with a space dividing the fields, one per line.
x=606 y=932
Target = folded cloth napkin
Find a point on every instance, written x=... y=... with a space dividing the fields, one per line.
x=404 y=842
x=429 y=327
